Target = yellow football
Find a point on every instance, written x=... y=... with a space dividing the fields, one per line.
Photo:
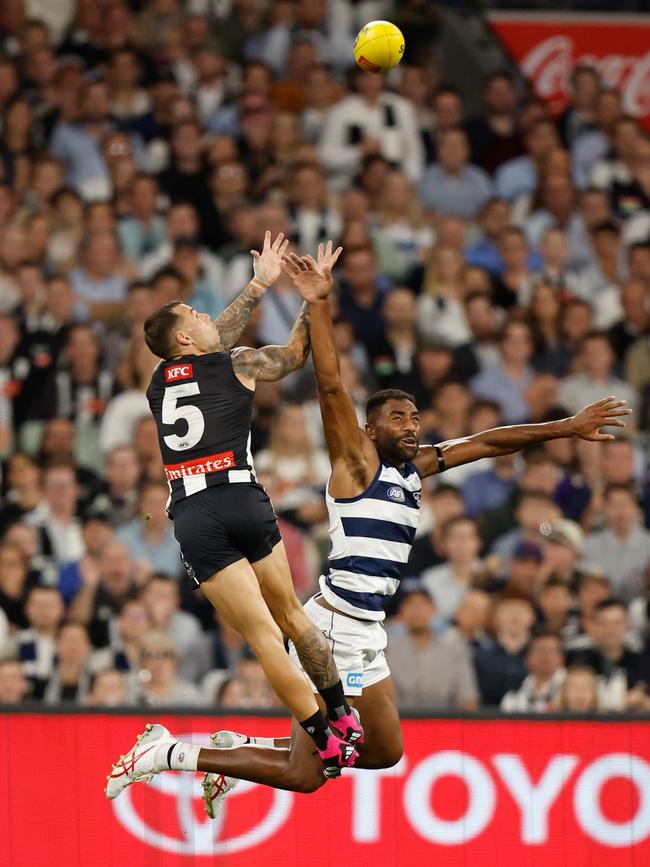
x=379 y=46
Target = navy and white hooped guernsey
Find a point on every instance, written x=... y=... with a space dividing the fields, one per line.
x=370 y=541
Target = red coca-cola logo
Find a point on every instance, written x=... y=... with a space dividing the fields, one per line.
x=548 y=51
x=549 y=64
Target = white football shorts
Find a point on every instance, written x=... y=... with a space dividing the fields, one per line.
x=358 y=647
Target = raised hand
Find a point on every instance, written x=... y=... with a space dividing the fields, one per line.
x=312 y=277
x=607 y=412
x=267 y=265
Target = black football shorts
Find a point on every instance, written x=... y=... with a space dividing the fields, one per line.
x=223 y=524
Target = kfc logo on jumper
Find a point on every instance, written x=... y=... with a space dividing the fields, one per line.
x=178 y=371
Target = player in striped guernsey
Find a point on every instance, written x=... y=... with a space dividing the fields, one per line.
x=373 y=499
x=201 y=397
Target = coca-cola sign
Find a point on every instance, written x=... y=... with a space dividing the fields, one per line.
x=505 y=793
x=549 y=48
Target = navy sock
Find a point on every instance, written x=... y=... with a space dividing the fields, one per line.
x=317 y=728
x=334 y=698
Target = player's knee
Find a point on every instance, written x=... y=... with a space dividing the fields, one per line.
x=303 y=780
x=293 y=622
x=392 y=755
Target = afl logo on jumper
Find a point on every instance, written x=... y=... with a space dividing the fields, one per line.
x=178 y=371
x=397 y=494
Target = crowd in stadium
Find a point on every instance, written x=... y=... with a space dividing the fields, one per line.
x=495 y=266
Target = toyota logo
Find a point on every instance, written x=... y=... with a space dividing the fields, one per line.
x=197 y=834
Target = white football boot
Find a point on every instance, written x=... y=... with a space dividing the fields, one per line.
x=139 y=764
x=217 y=786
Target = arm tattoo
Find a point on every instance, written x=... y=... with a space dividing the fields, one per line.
x=271 y=363
x=234 y=319
x=316 y=658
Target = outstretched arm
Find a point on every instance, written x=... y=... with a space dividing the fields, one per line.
x=352 y=455
x=271 y=363
x=266 y=270
x=506 y=440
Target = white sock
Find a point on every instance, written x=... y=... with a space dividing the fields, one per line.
x=178 y=757
x=262 y=742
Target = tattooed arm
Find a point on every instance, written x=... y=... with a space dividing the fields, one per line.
x=234 y=319
x=266 y=268
x=271 y=363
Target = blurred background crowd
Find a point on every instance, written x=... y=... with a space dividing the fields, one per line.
x=496 y=266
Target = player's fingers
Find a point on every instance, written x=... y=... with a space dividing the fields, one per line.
x=313 y=264
x=283 y=248
x=336 y=254
x=613 y=422
x=288 y=267
x=267 y=240
x=276 y=244
x=621 y=411
x=321 y=252
x=255 y=254
x=297 y=261
x=328 y=249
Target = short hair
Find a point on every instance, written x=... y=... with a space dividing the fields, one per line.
x=608 y=603
x=444 y=490
x=544 y=632
x=158 y=328
x=638 y=246
x=621 y=487
x=379 y=398
x=449 y=525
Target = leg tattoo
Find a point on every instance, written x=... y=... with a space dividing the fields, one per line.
x=316 y=658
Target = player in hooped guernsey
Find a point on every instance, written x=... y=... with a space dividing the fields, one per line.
x=201 y=396
x=373 y=498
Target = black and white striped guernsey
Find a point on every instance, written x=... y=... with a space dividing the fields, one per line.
x=370 y=541
x=203 y=414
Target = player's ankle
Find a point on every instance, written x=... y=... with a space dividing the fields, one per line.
x=177 y=757
x=318 y=729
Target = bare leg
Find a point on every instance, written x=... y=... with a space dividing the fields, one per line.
x=275 y=581
x=298 y=769
x=383 y=745
x=235 y=593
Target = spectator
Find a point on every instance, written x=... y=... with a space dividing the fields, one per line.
x=98 y=283
x=56 y=516
x=522 y=571
x=371 y=121
x=362 y=294
x=495 y=136
x=161 y=600
x=518 y=176
x=430 y=670
x=622 y=674
x=36 y=646
x=109 y=689
x=160 y=682
x=70 y=681
x=622 y=549
x=493 y=218
x=540 y=690
x=150 y=535
x=481 y=350
x=444 y=505
x=596 y=378
x=105 y=587
x=453 y=185
x=490 y=488
x=143 y=230
x=501 y=668
x=555 y=604
x=580 y=115
x=395 y=353
x=451 y=580
x=507 y=381
x=472 y=617
x=562 y=552
x=14 y=687
x=598 y=283
x=579 y=692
